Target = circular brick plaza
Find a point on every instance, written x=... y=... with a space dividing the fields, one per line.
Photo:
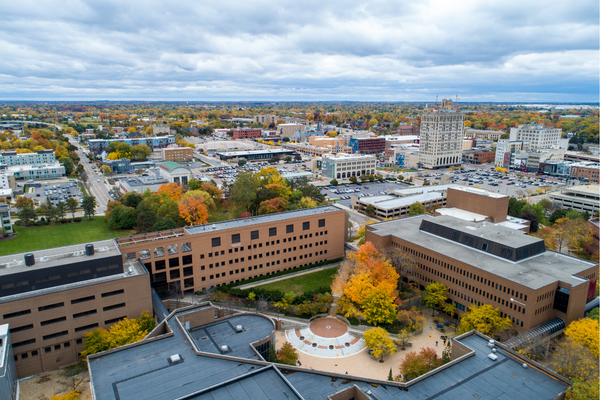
x=328 y=327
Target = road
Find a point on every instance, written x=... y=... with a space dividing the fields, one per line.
x=95 y=181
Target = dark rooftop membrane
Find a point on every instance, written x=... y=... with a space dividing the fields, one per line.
x=144 y=370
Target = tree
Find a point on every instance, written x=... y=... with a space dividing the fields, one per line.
x=105 y=169
x=370 y=210
x=27 y=214
x=122 y=217
x=243 y=191
x=571 y=232
x=61 y=209
x=68 y=164
x=241 y=163
x=363 y=178
x=275 y=205
x=334 y=182
x=401 y=261
x=72 y=206
x=378 y=307
x=575 y=361
x=404 y=336
x=379 y=341
x=532 y=218
x=390 y=376
x=173 y=190
x=307 y=202
x=585 y=331
x=353 y=179
x=435 y=295
x=88 y=204
x=140 y=152
x=193 y=211
x=583 y=390
x=51 y=213
x=546 y=204
x=287 y=354
x=485 y=319
x=416 y=364
x=416 y=208
x=22 y=202
x=556 y=215
x=515 y=207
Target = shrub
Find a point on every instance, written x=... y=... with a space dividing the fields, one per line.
x=64 y=221
x=77 y=219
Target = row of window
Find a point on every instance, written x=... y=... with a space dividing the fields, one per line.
x=61 y=304
x=254 y=235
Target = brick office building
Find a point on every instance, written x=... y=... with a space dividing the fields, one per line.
x=485 y=263
x=52 y=300
x=177 y=154
x=586 y=172
x=479 y=156
x=200 y=257
x=494 y=206
x=246 y=133
x=368 y=145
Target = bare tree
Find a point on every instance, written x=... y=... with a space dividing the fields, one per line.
x=401 y=261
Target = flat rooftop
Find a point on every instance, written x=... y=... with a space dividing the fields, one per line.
x=461 y=214
x=391 y=202
x=534 y=272
x=57 y=256
x=425 y=189
x=481 y=192
x=143 y=371
x=261 y=219
x=251 y=152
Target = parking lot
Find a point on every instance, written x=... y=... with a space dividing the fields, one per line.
x=55 y=192
x=365 y=189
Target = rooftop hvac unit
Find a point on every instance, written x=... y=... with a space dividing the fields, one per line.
x=224 y=348
x=239 y=328
x=29 y=259
x=491 y=343
x=493 y=357
x=175 y=358
x=89 y=250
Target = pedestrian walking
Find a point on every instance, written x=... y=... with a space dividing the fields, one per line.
x=436 y=342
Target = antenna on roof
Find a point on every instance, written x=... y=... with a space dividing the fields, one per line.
x=456 y=103
x=436 y=102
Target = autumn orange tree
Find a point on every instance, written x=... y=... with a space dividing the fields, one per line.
x=173 y=190
x=193 y=211
x=278 y=204
x=366 y=284
x=416 y=364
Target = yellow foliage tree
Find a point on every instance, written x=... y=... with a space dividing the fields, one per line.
x=485 y=318
x=307 y=202
x=379 y=341
x=72 y=395
x=114 y=156
x=585 y=331
x=193 y=211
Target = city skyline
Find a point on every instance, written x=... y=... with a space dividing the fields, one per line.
x=267 y=51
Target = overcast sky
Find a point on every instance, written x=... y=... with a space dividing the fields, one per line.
x=503 y=50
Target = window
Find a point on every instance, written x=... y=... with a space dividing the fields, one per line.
x=173 y=249
x=186 y=247
x=188 y=271
x=83 y=328
x=66 y=345
x=160 y=265
x=17 y=314
x=53 y=321
x=113 y=320
x=216 y=242
x=55 y=335
x=174 y=274
x=185 y=260
x=254 y=235
x=23 y=343
x=83 y=314
x=83 y=299
x=114 y=306
x=321 y=223
x=235 y=238
x=21 y=328
x=50 y=306
x=173 y=262
x=113 y=293
x=305 y=226
x=79 y=341
x=272 y=232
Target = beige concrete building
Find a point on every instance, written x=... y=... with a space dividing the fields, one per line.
x=483 y=134
x=288 y=130
x=161 y=129
x=266 y=119
x=442 y=132
x=538 y=136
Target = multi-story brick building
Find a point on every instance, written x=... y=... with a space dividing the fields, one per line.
x=196 y=258
x=486 y=263
x=367 y=145
x=593 y=247
x=177 y=154
x=247 y=133
x=51 y=298
x=441 y=139
x=479 y=156
x=587 y=172
x=408 y=130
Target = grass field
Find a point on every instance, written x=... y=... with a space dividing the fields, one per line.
x=48 y=236
x=303 y=283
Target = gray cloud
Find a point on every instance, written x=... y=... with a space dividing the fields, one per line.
x=309 y=50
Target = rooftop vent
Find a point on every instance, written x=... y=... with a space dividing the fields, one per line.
x=29 y=259
x=239 y=328
x=493 y=357
x=89 y=250
x=175 y=358
x=524 y=365
x=224 y=348
x=491 y=343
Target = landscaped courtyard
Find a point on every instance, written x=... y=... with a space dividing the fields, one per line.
x=303 y=283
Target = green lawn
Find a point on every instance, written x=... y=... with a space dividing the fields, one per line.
x=303 y=283
x=48 y=236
